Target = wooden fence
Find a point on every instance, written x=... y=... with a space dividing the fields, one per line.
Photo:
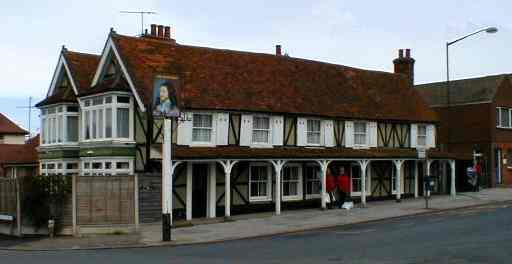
x=104 y=200
x=8 y=203
x=150 y=197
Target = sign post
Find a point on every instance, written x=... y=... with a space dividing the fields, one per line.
x=427 y=180
x=165 y=106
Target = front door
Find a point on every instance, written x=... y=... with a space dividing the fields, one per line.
x=199 y=190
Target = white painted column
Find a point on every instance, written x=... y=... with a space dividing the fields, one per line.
x=323 y=171
x=228 y=167
x=189 y=191
x=452 y=189
x=398 y=166
x=363 y=164
x=416 y=175
x=212 y=191
x=278 y=167
x=166 y=167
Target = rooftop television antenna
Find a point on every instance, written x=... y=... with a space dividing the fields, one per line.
x=30 y=108
x=141 y=13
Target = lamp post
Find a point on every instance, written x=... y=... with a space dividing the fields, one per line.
x=490 y=30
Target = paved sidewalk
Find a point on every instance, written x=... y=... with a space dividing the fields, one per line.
x=265 y=224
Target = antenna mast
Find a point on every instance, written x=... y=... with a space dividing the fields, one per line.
x=30 y=108
x=141 y=13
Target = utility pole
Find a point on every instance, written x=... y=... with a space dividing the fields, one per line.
x=30 y=108
x=141 y=13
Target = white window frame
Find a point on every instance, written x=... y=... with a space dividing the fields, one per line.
x=43 y=165
x=269 y=131
x=366 y=134
x=424 y=136
x=297 y=196
x=114 y=105
x=54 y=125
x=499 y=117
x=267 y=197
x=103 y=171
x=367 y=179
x=315 y=168
x=212 y=130
x=319 y=132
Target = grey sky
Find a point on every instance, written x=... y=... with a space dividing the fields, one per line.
x=363 y=34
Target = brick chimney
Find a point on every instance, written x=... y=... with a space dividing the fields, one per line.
x=278 y=50
x=405 y=65
x=153 y=30
x=160 y=32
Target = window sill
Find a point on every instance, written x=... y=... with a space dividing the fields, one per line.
x=261 y=145
x=313 y=196
x=358 y=194
x=361 y=147
x=202 y=144
x=292 y=198
x=259 y=199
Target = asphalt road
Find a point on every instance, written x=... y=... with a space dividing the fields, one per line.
x=478 y=235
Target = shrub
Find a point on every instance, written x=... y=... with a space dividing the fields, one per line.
x=44 y=198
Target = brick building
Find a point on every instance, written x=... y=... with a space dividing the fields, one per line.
x=475 y=116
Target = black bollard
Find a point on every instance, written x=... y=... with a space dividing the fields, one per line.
x=166 y=227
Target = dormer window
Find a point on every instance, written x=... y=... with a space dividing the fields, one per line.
x=422 y=135
x=202 y=126
x=360 y=134
x=313 y=131
x=261 y=130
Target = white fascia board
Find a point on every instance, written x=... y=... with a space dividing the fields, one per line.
x=56 y=74
x=70 y=76
x=110 y=46
x=62 y=63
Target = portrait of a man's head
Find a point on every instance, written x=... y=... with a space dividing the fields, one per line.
x=164 y=97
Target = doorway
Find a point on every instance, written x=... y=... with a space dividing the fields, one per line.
x=199 y=189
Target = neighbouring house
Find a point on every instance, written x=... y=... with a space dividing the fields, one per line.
x=476 y=117
x=17 y=157
x=10 y=133
x=255 y=131
x=19 y=160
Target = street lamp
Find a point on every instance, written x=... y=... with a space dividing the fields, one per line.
x=490 y=30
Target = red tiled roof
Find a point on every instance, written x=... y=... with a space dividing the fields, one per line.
x=9 y=127
x=243 y=81
x=82 y=67
x=18 y=154
x=113 y=84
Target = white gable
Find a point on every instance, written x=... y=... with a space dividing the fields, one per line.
x=62 y=65
x=105 y=62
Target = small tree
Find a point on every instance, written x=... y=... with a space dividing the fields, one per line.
x=44 y=198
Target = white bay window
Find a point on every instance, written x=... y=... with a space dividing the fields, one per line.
x=107 y=117
x=59 y=124
x=107 y=166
